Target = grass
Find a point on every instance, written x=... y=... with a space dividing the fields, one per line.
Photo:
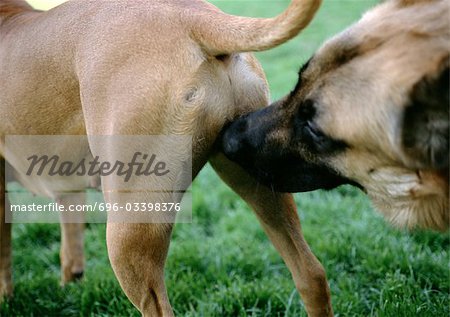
x=223 y=264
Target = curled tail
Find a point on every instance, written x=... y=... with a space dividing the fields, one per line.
x=228 y=33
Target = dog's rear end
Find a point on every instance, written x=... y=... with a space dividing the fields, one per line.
x=151 y=67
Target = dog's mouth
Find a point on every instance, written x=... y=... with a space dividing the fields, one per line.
x=410 y=184
x=411 y=198
x=294 y=175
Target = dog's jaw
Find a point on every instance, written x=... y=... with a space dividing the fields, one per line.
x=411 y=199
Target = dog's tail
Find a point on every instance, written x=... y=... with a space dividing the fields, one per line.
x=228 y=34
x=9 y=8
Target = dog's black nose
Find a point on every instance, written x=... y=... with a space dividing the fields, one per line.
x=233 y=140
x=231 y=145
x=245 y=140
x=238 y=143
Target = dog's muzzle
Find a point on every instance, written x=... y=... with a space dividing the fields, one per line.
x=245 y=142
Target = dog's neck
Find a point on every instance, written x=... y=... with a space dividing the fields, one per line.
x=10 y=8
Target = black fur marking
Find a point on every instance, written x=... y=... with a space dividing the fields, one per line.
x=425 y=132
x=300 y=74
x=343 y=56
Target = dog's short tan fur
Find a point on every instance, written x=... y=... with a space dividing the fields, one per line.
x=139 y=68
x=381 y=89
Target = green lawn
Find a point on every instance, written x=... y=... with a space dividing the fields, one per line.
x=223 y=264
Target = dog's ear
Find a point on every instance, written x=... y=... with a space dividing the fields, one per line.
x=425 y=127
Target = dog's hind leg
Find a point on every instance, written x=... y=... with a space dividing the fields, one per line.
x=72 y=239
x=6 y=287
x=137 y=253
x=278 y=215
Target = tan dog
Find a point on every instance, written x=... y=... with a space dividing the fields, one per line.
x=139 y=68
x=371 y=108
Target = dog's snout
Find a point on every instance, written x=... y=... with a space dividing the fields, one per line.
x=241 y=125
x=231 y=145
x=245 y=139
x=234 y=139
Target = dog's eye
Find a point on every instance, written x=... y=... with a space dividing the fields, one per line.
x=318 y=142
x=308 y=133
x=306 y=130
x=304 y=122
x=313 y=131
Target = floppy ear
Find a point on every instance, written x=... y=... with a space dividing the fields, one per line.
x=425 y=130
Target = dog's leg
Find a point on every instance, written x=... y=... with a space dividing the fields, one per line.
x=137 y=253
x=5 y=240
x=72 y=240
x=278 y=215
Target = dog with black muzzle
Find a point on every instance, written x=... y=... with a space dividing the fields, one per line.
x=371 y=108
